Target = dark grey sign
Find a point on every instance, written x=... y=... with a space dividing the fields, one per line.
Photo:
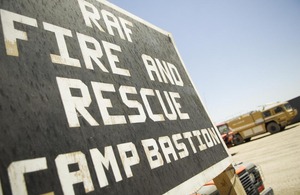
x=94 y=100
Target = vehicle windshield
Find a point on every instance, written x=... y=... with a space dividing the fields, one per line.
x=223 y=129
x=288 y=106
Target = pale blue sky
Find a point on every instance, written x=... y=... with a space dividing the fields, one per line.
x=240 y=54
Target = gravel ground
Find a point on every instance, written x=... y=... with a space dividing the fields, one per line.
x=278 y=156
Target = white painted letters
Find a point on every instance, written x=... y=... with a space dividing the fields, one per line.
x=10 y=33
x=67 y=178
x=17 y=170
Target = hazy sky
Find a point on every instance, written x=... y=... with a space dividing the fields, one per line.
x=240 y=54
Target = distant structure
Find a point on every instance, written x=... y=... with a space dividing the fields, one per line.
x=295 y=103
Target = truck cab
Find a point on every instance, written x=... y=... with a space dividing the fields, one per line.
x=277 y=116
x=226 y=133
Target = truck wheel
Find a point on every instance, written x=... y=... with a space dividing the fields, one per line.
x=273 y=127
x=238 y=139
x=248 y=139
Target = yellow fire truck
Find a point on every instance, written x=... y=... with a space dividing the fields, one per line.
x=270 y=118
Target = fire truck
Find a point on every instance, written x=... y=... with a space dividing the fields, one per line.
x=270 y=118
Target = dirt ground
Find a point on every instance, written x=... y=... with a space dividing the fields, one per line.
x=278 y=156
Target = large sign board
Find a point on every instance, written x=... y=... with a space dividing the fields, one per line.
x=94 y=100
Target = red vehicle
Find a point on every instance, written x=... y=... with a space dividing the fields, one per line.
x=250 y=177
x=226 y=134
